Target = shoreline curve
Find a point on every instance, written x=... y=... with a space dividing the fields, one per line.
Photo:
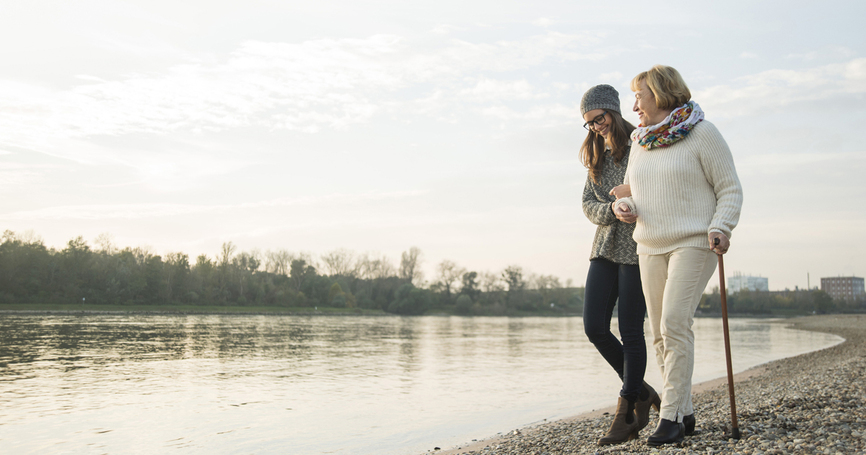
x=769 y=401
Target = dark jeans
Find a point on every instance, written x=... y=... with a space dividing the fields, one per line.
x=605 y=283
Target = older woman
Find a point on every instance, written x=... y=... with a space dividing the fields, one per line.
x=685 y=197
x=613 y=279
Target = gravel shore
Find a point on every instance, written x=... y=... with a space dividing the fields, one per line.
x=810 y=404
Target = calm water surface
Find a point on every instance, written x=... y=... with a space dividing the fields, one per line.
x=315 y=384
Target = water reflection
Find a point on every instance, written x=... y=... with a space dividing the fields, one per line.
x=291 y=384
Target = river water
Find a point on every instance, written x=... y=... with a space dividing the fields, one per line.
x=215 y=384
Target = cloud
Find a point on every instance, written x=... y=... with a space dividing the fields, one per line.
x=542 y=22
x=15 y=178
x=806 y=56
x=277 y=85
x=777 y=89
x=444 y=29
x=89 y=78
x=143 y=211
x=612 y=77
x=548 y=115
x=160 y=124
x=780 y=163
x=854 y=73
x=494 y=90
x=833 y=52
x=326 y=83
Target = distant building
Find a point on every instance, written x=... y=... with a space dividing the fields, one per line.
x=847 y=288
x=740 y=282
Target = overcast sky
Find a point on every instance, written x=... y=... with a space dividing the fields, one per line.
x=452 y=126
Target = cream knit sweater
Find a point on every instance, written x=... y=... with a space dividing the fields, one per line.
x=683 y=192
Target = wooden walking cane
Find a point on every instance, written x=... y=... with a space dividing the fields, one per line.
x=735 y=430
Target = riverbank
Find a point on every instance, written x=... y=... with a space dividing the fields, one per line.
x=114 y=309
x=68 y=309
x=814 y=403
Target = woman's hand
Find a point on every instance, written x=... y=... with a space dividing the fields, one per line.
x=723 y=245
x=621 y=191
x=623 y=213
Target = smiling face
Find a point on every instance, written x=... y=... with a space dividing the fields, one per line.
x=601 y=122
x=646 y=108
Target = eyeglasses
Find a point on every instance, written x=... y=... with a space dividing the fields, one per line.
x=595 y=122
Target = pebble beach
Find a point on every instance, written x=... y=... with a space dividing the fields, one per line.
x=814 y=403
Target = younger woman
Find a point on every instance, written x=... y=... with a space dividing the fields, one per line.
x=613 y=275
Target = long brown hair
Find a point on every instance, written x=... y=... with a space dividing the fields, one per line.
x=592 y=150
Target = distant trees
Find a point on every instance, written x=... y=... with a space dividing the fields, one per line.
x=469 y=286
x=340 y=262
x=513 y=278
x=107 y=274
x=300 y=273
x=176 y=273
x=765 y=302
x=410 y=300
x=514 y=296
x=277 y=262
x=372 y=268
x=410 y=266
x=447 y=273
x=463 y=305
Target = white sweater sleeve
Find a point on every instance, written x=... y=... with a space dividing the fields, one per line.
x=718 y=165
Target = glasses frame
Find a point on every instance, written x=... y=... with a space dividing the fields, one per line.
x=590 y=124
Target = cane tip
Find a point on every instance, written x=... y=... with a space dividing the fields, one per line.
x=735 y=433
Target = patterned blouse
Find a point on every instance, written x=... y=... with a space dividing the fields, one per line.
x=613 y=238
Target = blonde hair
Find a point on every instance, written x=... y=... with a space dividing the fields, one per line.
x=592 y=150
x=666 y=84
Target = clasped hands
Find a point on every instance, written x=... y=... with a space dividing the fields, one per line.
x=626 y=215
x=621 y=210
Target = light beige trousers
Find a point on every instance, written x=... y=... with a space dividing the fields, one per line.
x=673 y=284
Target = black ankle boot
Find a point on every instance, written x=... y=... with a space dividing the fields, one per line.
x=668 y=432
x=648 y=398
x=689 y=423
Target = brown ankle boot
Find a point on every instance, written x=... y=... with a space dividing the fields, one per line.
x=620 y=431
x=642 y=407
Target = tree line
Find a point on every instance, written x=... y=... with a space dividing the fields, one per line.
x=758 y=303
x=102 y=273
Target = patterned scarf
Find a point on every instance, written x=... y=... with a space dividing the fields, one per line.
x=674 y=127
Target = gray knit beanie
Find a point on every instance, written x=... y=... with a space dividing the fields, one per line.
x=600 y=97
